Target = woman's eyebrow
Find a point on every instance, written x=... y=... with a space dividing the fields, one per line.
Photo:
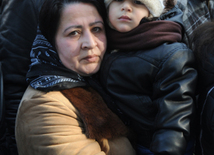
x=79 y=26
x=91 y=24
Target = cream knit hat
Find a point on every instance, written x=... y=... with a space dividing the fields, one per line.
x=156 y=7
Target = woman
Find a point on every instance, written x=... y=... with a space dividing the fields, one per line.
x=203 y=39
x=59 y=113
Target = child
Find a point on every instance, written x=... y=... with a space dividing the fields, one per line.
x=150 y=73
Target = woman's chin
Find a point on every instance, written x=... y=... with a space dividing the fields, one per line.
x=90 y=69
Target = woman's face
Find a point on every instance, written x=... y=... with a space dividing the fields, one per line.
x=80 y=38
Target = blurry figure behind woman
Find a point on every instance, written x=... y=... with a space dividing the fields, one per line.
x=203 y=45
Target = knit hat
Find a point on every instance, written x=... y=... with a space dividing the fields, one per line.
x=155 y=7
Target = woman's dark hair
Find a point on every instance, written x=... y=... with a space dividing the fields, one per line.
x=203 y=42
x=51 y=11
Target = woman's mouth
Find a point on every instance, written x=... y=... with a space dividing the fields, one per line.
x=91 y=58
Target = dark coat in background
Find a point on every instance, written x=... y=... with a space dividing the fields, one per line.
x=203 y=38
x=196 y=12
x=18 y=27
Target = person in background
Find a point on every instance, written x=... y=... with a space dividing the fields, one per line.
x=203 y=39
x=151 y=74
x=195 y=13
x=60 y=114
x=18 y=28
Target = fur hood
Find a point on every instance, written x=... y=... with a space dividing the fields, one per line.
x=156 y=7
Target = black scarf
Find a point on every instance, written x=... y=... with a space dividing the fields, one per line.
x=46 y=70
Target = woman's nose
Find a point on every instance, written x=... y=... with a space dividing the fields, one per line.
x=88 y=40
x=126 y=7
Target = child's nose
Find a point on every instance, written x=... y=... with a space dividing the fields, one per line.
x=126 y=7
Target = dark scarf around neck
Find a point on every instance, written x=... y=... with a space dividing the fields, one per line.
x=146 y=36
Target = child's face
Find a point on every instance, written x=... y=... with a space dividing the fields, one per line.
x=125 y=15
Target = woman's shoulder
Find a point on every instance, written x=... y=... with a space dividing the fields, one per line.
x=54 y=100
x=34 y=94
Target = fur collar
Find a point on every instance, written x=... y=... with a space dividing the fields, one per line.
x=100 y=122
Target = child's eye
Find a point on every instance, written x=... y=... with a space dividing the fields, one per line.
x=138 y=2
x=118 y=0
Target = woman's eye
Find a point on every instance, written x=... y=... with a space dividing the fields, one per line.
x=118 y=0
x=74 y=33
x=97 y=29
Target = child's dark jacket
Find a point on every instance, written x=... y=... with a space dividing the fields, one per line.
x=155 y=88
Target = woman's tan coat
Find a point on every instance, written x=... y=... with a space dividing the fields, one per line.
x=48 y=124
